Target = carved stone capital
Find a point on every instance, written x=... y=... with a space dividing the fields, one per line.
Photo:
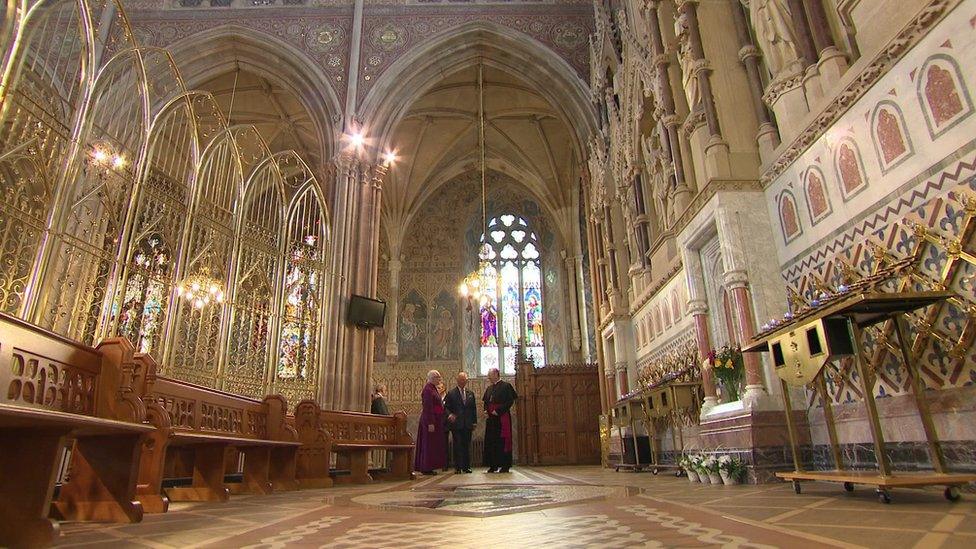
x=749 y=52
x=735 y=279
x=697 y=307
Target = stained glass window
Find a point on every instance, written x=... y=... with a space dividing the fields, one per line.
x=143 y=303
x=511 y=306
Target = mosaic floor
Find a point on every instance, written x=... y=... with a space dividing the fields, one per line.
x=558 y=506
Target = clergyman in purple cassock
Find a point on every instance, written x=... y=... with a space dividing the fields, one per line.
x=431 y=447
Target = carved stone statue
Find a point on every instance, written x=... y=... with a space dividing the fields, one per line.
x=774 y=29
x=689 y=80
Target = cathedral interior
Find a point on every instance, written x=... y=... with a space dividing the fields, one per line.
x=724 y=251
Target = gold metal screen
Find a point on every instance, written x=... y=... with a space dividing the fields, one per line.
x=117 y=183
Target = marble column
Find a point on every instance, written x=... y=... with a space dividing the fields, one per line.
x=623 y=383
x=768 y=136
x=832 y=63
x=689 y=10
x=805 y=45
x=392 y=329
x=582 y=315
x=698 y=309
x=736 y=282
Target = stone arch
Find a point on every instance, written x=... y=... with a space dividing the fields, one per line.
x=942 y=93
x=849 y=167
x=889 y=133
x=815 y=191
x=232 y=46
x=789 y=216
x=465 y=46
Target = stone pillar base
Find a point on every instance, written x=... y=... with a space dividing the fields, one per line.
x=831 y=67
x=759 y=438
x=768 y=141
x=789 y=102
x=718 y=165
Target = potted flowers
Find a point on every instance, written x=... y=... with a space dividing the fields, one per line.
x=731 y=469
x=710 y=467
x=688 y=463
x=726 y=363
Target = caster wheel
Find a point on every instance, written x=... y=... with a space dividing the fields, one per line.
x=883 y=496
x=654 y=472
x=796 y=486
x=677 y=473
x=616 y=469
x=849 y=486
x=951 y=493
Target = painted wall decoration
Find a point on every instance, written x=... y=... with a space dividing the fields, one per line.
x=818 y=204
x=914 y=195
x=788 y=217
x=412 y=327
x=444 y=327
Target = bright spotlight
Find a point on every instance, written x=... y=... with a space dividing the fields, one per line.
x=357 y=140
x=389 y=158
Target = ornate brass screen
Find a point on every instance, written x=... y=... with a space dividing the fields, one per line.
x=118 y=183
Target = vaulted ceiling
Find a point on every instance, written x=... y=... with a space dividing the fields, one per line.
x=438 y=139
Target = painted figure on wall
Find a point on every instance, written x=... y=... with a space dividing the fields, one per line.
x=413 y=328
x=443 y=327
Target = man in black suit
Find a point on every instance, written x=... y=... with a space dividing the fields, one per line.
x=462 y=416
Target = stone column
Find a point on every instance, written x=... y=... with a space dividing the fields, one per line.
x=717 y=162
x=354 y=269
x=736 y=282
x=768 y=136
x=575 y=338
x=698 y=309
x=832 y=64
x=801 y=28
x=392 y=330
x=670 y=138
x=610 y=386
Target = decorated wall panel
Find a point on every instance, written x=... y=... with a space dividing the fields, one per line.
x=905 y=150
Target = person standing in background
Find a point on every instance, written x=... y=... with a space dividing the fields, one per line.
x=462 y=416
x=378 y=405
x=431 y=451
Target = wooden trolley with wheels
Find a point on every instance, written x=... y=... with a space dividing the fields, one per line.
x=802 y=347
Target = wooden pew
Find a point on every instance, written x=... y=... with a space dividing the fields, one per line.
x=351 y=436
x=199 y=425
x=54 y=393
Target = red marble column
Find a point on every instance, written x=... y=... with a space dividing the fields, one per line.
x=623 y=386
x=747 y=329
x=704 y=346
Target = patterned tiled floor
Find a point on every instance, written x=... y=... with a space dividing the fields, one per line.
x=555 y=507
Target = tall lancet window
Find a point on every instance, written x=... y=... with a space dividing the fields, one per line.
x=511 y=307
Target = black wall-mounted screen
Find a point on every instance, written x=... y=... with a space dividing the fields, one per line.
x=366 y=312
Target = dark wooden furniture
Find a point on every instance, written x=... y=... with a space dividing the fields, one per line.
x=558 y=414
x=351 y=436
x=58 y=393
x=200 y=429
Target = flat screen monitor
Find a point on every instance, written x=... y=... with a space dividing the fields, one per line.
x=366 y=312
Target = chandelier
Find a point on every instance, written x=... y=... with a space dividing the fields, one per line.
x=201 y=289
x=473 y=285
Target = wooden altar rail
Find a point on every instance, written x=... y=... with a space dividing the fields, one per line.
x=55 y=392
x=351 y=436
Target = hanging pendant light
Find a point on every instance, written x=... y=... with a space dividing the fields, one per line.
x=473 y=286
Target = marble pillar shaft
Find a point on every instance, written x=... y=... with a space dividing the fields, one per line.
x=570 y=263
x=690 y=11
x=801 y=29
x=703 y=339
x=747 y=329
x=392 y=329
x=670 y=140
x=819 y=26
x=750 y=61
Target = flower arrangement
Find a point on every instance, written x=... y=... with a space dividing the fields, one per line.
x=689 y=462
x=726 y=363
x=710 y=469
x=731 y=469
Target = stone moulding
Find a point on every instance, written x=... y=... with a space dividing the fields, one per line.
x=896 y=49
x=715 y=186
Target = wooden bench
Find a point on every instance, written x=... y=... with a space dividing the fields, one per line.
x=199 y=433
x=351 y=436
x=56 y=393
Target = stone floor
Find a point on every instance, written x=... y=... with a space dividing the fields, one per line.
x=556 y=507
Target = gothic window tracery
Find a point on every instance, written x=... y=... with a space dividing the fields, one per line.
x=511 y=308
